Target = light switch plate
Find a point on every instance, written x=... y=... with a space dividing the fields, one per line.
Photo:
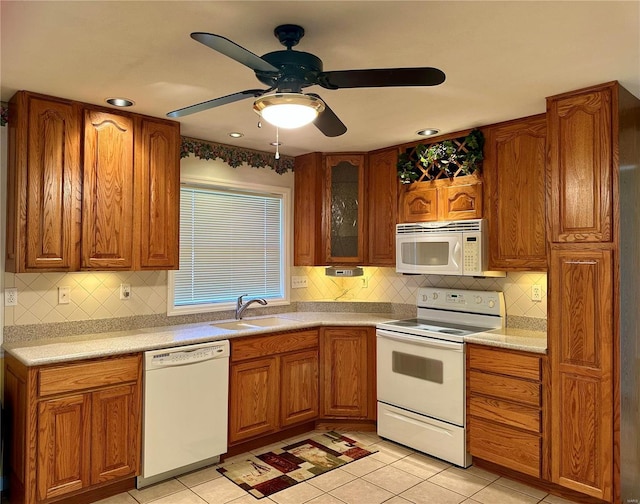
x=298 y=282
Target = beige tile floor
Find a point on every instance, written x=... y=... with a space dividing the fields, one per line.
x=393 y=475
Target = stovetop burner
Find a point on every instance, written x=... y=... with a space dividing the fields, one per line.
x=436 y=327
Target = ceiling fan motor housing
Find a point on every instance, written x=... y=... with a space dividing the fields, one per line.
x=297 y=70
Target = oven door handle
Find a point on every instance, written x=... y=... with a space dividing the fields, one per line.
x=423 y=341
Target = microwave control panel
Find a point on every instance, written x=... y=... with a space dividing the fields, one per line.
x=471 y=255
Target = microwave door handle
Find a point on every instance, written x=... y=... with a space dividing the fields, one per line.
x=422 y=341
x=457 y=253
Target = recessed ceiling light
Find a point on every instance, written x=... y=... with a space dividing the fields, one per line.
x=428 y=132
x=119 y=102
x=275 y=144
x=236 y=134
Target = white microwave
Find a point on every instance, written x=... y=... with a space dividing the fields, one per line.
x=443 y=248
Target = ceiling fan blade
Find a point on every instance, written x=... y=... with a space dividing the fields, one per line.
x=216 y=102
x=382 y=77
x=234 y=51
x=328 y=122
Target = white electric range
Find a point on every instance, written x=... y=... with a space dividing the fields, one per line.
x=421 y=370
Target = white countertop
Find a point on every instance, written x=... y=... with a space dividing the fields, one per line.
x=514 y=339
x=85 y=346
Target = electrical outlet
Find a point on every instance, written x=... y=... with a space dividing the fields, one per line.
x=64 y=295
x=298 y=282
x=11 y=297
x=536 y=293
x=125 y=291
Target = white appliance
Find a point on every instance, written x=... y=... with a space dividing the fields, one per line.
x=421 y=370
x=185 y=409
x=443 y=248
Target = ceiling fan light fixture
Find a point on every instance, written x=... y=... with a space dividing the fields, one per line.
x=288 y=110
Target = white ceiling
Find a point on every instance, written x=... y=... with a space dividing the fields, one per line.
x=501 y=59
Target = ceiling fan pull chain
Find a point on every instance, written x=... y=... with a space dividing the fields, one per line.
x=277 y=143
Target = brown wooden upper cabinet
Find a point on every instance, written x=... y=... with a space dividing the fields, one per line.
x=440 y=200
x=382 y=207
x=580 y=165
x=514 y=178
x=343 y=216
x=345 y=209
x=90 y=188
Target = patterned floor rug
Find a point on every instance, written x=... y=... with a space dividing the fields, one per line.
x=271 y=472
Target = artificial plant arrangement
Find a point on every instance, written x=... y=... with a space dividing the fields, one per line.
x=449 y=158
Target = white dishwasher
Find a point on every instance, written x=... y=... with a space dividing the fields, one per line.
x=186 y=391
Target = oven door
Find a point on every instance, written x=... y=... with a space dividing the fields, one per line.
x=422 y=374
x=438 y=254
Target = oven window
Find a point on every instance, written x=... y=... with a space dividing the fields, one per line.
x=417 y=367
x=425 y=253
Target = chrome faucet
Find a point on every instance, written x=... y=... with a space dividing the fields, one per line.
x=241 y=307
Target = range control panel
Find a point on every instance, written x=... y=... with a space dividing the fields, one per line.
x=469 y=301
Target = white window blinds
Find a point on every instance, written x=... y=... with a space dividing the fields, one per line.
x=231 y=243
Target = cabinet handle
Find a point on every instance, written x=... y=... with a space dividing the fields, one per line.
x=581 y=262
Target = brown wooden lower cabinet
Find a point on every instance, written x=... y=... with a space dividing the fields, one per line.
x=348 y=373
x=504 y=408
x=72 y=427
x=273 y=383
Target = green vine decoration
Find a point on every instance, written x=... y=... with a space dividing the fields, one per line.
x=449 y=158
x=4 y=114
x=234 y=156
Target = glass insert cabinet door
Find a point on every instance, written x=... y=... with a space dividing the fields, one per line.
x=344 y=200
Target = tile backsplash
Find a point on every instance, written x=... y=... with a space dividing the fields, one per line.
x=93 y=295
x=97 y=295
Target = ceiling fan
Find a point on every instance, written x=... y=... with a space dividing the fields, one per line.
x=288 y=72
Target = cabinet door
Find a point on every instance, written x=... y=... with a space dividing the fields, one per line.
x=343 y=211
x=344 y=378
x=299 y=387
x=382 y=204
x=457 y=202
x=107 y=199
x=514 y=176
x=580 y=166
x=158 y=193
x=254 y=392
x=64 y=451
x=307 y=210
x=115 y=433
x=43 y=185
x=580 y=346
x=418 y=203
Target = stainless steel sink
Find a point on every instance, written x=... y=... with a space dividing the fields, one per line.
x=268 y=321
x=237 y=325
x=259 y=323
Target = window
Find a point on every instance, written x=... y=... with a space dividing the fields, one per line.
x=232 y=242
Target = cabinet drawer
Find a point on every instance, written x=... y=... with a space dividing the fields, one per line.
x=504 y=412
x=87 y=375
x=509 y=363
x=505 y=446
x=260 y=346
x=505 y=387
